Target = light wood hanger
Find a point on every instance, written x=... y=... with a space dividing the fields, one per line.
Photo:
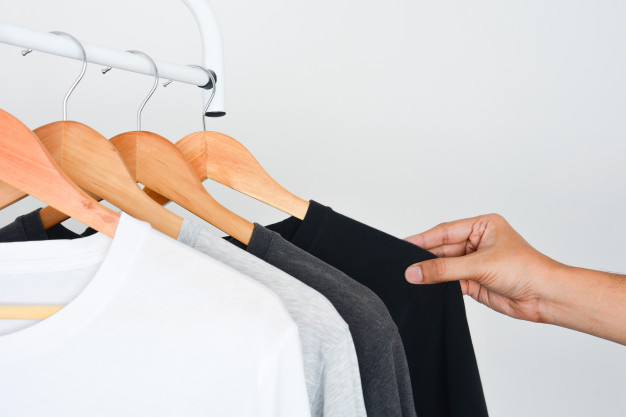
x=223 y=159
x=157 y=163
x=26 y=165
x=96 y=166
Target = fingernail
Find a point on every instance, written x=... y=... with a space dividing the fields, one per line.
x=414 y=274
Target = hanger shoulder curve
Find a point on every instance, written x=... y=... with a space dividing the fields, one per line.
x=9 y=195
x=26 y=165
x=221 y=158
x=160 y=166
x=96 y=165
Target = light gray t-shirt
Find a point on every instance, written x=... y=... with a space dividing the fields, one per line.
x=330 y=363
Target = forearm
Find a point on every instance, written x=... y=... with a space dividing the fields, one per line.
x=589 y=301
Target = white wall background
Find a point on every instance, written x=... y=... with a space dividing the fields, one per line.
x=401 y=114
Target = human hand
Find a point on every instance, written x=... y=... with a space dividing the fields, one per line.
x=493 y=263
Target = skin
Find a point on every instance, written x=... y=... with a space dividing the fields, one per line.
x=498 y=268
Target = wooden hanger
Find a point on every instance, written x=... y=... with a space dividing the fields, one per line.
x=96 y=166
x=223 y=159
x=26 y=165
x=158 y=164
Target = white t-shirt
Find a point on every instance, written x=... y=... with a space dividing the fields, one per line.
x=150 y=328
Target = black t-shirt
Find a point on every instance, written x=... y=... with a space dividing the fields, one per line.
x=431 y=318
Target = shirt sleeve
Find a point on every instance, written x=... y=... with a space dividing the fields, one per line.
x=282 y=387
x=341 y=382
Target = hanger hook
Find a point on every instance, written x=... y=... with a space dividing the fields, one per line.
x=82 y=72
x=154 y=87
x=212 y=78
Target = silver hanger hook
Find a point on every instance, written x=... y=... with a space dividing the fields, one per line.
x=154 y=87
x=212 y=78
x=82 y=72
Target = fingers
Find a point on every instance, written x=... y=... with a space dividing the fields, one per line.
x=448 y=251
x=477 y=292
x=442 y=270
x=444 y=234
x=417 y=240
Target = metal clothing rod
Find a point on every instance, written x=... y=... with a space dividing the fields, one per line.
x=58 y=45
x=212 y=56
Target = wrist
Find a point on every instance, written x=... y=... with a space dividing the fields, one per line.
x=554 y=303
x=551 y=303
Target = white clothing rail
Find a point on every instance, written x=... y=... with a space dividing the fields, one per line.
x=212 y=55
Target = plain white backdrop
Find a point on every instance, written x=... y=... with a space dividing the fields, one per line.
x=401 y=114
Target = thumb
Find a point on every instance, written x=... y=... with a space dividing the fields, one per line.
x=441 y=270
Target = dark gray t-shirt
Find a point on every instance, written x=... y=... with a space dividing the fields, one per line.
x=382 y=361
